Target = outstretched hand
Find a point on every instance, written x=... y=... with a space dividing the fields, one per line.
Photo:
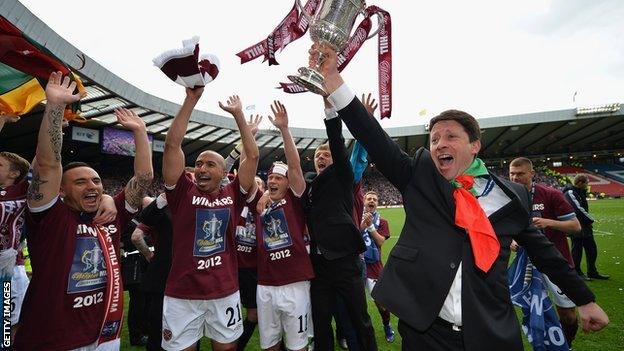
x=60 y=91
x=254 y=123
x=370 y=103
x=280 y=115
x=233 y=106
x=129 y=119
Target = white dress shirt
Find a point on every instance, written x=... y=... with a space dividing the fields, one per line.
x=490 y=202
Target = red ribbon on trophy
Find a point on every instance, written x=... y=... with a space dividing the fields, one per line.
x=384 y=58
x=344 y=57
x=292 y=27
x=384 y=48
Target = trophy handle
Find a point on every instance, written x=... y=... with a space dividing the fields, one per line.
x=380 y=24
x=303 y=12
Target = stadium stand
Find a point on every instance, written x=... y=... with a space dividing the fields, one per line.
x=598 y=184
x=388 y=194
x=615 y=172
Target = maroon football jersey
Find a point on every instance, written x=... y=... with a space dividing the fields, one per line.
x=373 y=270
x=282 y=254
x=551 y=204
x=204 y=265
x=245 y=237
x=64 y=305
x=12 y=208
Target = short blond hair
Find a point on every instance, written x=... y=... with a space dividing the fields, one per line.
x=371 y=192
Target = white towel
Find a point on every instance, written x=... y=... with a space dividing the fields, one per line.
x=185 y=67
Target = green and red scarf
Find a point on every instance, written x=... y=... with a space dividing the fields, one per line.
x=470 y=216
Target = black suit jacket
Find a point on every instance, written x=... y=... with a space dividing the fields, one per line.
x=423 y=264
x=329 y=202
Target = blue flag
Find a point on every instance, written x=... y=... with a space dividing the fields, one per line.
x=540 y=323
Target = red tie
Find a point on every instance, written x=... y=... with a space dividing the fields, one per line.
x=470 y=216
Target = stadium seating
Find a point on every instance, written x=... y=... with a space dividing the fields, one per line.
x=615 y=172
x=597 y=183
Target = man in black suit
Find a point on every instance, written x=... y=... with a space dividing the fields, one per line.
x=446 y=277
x=335 y=241
x=576 y=194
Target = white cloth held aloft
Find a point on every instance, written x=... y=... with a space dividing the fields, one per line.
x=185 y=67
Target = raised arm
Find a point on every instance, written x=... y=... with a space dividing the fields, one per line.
x=248 y=165
x=143 y=171
x=47 y=169
x=388 y=157
x=237 y=152
x=173 y=156
x=295 y=174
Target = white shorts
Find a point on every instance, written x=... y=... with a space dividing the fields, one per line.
x=559 y=298
x=370 y=284
x=112 y=345
x=186 y=321
x=19 y=284
x=284 y=310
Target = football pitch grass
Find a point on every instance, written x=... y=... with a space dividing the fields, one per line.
x=609 y=233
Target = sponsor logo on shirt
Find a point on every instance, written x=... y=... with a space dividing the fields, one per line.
x=275 y=230
x=88 y=270
x=210 y=231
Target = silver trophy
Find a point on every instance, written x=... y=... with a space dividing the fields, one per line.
x=331 y=26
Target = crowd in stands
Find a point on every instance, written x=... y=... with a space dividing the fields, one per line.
x=543 y=175
x=388 y=194
x=373 y=180
x=114 y=183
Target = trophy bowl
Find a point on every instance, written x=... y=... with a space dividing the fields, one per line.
x=331 y=27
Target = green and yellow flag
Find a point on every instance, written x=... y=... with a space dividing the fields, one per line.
x=25 y=67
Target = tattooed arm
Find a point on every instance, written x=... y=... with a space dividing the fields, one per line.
x=143 y=171
x=138 y=239
x=47 y=170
